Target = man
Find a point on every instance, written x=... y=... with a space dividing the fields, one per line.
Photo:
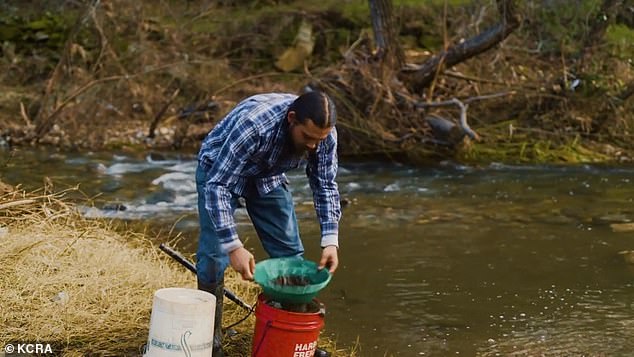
x=246 y=155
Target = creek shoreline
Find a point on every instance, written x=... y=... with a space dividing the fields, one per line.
x=158 y=77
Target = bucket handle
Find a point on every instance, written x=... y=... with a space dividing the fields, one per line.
x=266 y=329
x=322 y=309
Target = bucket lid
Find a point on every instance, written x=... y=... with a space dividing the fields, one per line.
x=291 y=279
x=184 y=296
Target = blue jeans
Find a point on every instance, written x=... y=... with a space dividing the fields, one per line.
x=272 y=215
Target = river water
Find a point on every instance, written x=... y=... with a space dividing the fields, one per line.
x=436 y=261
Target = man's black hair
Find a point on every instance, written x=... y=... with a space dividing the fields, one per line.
x=316 y=106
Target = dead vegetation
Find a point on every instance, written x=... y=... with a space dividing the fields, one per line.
x=471 y=78
x=87 y=287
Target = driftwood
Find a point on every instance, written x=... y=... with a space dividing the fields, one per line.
x=419 y=77
x=382 y=101
x=447 y=130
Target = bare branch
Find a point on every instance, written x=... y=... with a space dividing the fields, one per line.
x=25 y=115
x=422 y=75
x=56 y=73
x=47 y=123
x=464 y=106
x=489 y=96
x=160 y=113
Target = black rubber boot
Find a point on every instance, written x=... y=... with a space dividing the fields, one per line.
x=320 y=352
x=218 y=291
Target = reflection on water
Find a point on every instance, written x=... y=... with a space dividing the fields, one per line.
x=447 y=260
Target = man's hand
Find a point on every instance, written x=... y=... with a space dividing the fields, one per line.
x=329 y=259
x=243 y=262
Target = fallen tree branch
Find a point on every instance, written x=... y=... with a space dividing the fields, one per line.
x=488 y=96
x=421 y=76
x=464 y=106
x=463 y=116
x=160 y=113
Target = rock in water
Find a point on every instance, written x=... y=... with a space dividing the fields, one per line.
x=622 y=227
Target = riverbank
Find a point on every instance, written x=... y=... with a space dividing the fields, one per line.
x=139 y=76
x=86 y=286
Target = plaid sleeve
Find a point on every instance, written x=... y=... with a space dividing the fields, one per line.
x=322 y=171
x=242 y=143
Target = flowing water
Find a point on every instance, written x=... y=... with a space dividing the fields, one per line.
x=436 y=261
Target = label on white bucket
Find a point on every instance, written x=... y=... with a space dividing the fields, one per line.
x=183 y=346
x=182 y=323
x=305 y=349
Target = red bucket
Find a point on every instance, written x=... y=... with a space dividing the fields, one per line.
x=280 y=333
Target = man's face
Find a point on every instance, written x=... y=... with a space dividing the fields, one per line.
x=305 y=136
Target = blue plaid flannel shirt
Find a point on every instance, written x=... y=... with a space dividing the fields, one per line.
x=246 y=146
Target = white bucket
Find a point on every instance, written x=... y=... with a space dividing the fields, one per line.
x=182 y=323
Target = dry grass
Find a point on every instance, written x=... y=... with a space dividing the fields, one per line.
x=75 y=282
x=87 y=288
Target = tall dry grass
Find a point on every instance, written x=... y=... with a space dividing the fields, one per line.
x=73 y=282
x=88 y=288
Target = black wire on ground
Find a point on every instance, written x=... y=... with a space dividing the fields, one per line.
x=242 y=319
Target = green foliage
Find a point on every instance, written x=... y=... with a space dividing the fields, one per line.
x=561 y=25
x=532 y=150
x=432 y=2
x=49 y=30
x=253 y=37
x=621 y=41
x=501 y=144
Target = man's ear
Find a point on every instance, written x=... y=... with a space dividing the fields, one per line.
x=291 y=117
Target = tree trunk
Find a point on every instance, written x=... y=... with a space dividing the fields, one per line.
x=385 y=35
x=422 y=76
